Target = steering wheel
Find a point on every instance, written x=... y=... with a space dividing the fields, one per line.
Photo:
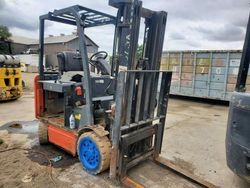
x=99 y=54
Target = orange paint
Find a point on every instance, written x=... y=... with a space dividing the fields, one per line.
x=39 y=101
x=63 y=138
x=78 y=90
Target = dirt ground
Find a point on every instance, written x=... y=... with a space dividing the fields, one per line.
x=194 y=139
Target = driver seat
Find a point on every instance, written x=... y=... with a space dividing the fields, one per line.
x=71 y=61
x=102 y=65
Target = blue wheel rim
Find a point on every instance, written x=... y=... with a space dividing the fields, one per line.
x=89 y=154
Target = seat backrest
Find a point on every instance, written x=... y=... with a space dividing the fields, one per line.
x=69 y=61
x=103 y=66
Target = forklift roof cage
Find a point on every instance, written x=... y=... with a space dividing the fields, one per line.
x=81 y=17
x=76 y=15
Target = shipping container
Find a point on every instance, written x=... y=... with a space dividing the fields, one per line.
x=204 y=74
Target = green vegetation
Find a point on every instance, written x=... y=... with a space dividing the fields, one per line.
x=139 y=51
x=4 y=40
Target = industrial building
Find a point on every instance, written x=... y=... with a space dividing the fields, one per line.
x=53 y=44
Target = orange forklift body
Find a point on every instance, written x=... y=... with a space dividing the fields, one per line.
x=63 y=138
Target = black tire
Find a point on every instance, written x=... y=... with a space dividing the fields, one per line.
x=104 y=147
x=43 y=133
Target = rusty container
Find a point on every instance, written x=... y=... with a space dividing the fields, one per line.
x=204 y=74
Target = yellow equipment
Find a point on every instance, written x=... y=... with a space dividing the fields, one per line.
x=10 y=78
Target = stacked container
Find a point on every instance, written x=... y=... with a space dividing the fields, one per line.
x=204 y=74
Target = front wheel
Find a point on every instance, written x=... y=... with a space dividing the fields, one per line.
x=94 y=152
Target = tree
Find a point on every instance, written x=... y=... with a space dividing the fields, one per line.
x=4 y=33
x=4 y=40
x=139 y=51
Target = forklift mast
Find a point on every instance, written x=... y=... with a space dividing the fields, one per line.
x=133 y=129
x=128 y=21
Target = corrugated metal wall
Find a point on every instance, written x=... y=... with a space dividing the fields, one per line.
x=205 y=74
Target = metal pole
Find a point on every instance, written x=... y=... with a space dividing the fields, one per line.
x=244 y=63
x=209 y=74
x=226 y=75
x=194 y=73
x=180 y=71
x=86 y=77
x=41 y=47
x=116 y=128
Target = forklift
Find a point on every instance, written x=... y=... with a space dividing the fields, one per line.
x=11 y=83
x=238 y=127
x=112 y=118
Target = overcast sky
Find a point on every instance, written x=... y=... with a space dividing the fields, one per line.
x=191 y=24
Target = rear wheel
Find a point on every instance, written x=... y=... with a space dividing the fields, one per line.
x=43 y=133
x=94 y=152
